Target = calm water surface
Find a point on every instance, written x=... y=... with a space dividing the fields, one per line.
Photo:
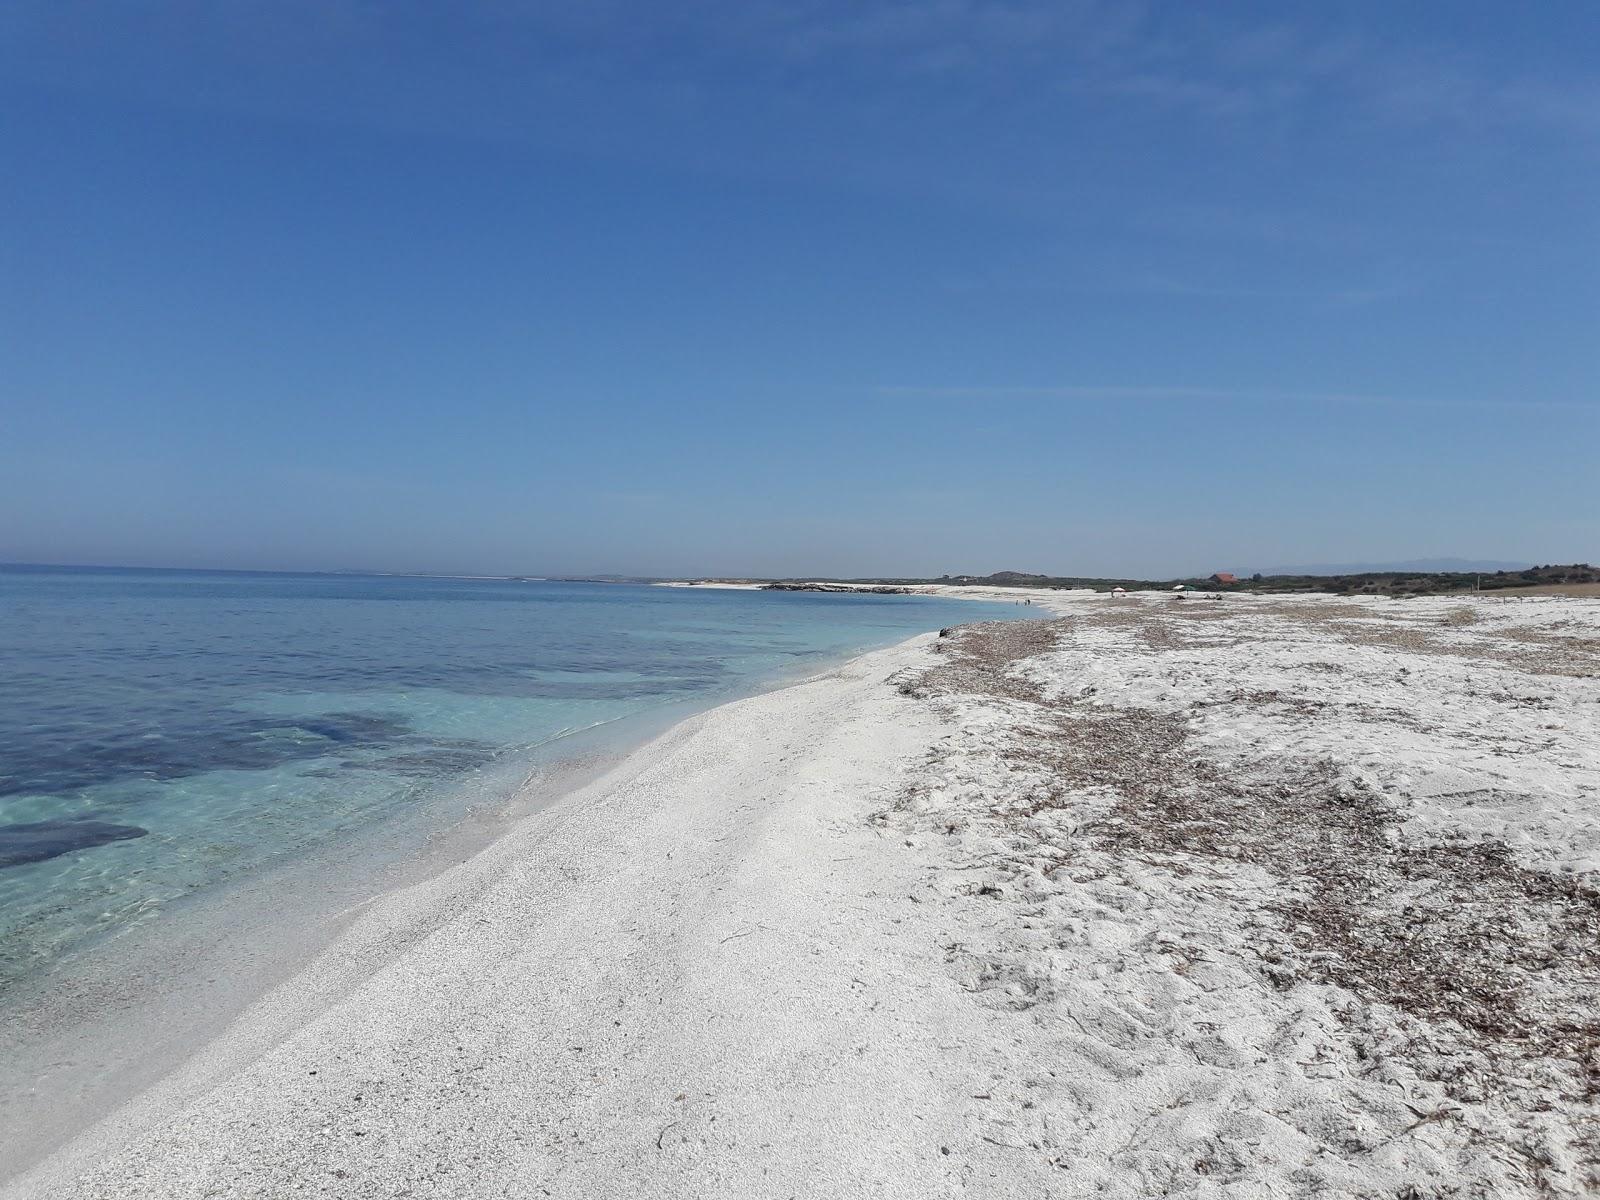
x=162 y=732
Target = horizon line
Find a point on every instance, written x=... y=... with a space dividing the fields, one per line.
x=1312 y=570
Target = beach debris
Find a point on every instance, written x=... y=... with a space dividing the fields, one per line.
x=1452 y=967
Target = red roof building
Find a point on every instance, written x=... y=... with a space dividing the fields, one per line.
x=1224 y=577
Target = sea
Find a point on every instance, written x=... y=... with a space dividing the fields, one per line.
x=170 y=739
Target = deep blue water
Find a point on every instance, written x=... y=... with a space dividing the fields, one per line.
x=162 y=732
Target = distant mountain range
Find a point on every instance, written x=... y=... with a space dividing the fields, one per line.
x=1426 y=565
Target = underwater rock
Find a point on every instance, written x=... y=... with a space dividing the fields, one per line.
x=35 y=841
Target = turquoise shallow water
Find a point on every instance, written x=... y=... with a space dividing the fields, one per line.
x=164 y=732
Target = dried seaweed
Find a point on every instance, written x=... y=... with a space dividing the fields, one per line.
x=1458 y=935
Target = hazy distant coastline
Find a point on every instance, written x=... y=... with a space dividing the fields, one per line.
x=1395 y=581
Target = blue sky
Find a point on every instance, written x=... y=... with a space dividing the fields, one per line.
x=798 y=287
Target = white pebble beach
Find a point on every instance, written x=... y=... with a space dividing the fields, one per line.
x=881 y=933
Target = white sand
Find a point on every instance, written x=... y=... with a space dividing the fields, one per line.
x=805 y=945
x=714 y=584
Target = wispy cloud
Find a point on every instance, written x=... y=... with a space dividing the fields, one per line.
x=1211 y=289
x=1184 y=57
x=1143 y=393
x=1175 y=58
